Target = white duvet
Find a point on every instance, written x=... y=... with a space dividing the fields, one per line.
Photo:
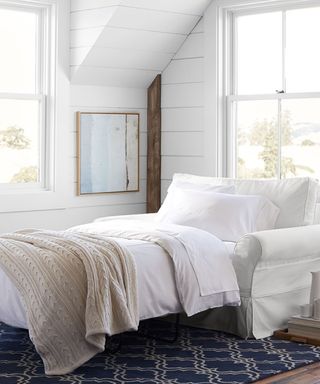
x=179 y=269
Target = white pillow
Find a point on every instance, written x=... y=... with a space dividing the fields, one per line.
x=295 y=197
x=176 y=183
x=226 y=216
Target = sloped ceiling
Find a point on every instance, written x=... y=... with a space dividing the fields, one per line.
x=126 y=43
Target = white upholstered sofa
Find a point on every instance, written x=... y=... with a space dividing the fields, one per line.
x=273 y=266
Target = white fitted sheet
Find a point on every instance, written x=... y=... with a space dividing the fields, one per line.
x=157 y=291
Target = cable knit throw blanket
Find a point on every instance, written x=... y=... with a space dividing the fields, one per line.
x=76 y=288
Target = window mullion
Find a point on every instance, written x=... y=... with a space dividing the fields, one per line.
x=279 y=134
x=276 y=96
x=234 y=72
x=43 y=143
x=273 y=96
x=234 y=139
x=38 y=68
x=284 y=46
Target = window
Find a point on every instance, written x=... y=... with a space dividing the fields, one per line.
x=274 y=93
x=24 y=90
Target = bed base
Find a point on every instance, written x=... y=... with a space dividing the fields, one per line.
x=114 y=343
x=164 y=339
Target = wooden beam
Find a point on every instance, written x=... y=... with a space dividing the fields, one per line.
x=154 y=146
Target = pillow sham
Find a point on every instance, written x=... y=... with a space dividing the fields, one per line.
x=177 y=185
x=226 y=216
x=206 y=187
x=295 y=197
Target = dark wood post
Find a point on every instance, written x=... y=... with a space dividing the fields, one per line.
x=154 y=146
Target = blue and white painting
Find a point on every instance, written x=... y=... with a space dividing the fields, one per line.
x=109 y=152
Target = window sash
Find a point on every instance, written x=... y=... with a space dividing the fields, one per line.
x=274 y=96
x=43 y=90
x=232 y=42
x=42 y=143
x=272 y=6
x=231 y=75
x=232 y=153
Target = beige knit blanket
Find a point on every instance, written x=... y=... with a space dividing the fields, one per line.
x=76 y=288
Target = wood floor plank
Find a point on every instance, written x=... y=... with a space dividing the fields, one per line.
x=309 y=374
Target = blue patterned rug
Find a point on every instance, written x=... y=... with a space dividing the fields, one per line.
x=200 y=356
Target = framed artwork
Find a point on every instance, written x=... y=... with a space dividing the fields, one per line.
x=108 y=152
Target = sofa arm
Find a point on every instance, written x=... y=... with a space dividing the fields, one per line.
x=273 y=248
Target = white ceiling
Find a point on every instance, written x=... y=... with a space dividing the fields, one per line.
x=127 y=43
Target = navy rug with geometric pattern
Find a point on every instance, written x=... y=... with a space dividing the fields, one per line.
x=199 y=356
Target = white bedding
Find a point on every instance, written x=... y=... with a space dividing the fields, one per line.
x=157 y=292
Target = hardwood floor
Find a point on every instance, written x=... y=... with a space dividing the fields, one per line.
x=310 y=374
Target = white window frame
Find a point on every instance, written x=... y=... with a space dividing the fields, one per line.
x=44 y=93
x=234 y=97
x=219 y=64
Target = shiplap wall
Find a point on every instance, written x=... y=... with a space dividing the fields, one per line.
x=127 y=43
x=182 y=110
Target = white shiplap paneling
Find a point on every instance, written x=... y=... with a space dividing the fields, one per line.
x=80 y=5
x=191 y=7
x=182 y=113
x=85 y=37
x=199 y=28
x=122 y=38
x=182 y=144
x=164 y=187
x=182 y=119
x=192 y=47
x=108 y=97
x=129 y=35
x=149 y=20
x=119 y=58
x=181 y=164
x=63 y=218
x=182 y=95
x=91 y=18
x=184 y=71
x=115 y=77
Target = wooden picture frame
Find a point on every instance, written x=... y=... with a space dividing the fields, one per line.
x=107 y=152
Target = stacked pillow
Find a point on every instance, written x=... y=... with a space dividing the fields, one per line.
x=205 y=187
x=296 y=197
x=217 y=209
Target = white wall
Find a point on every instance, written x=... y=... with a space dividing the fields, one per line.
x=183 y=110
x=127 y=43
x=61 y=208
